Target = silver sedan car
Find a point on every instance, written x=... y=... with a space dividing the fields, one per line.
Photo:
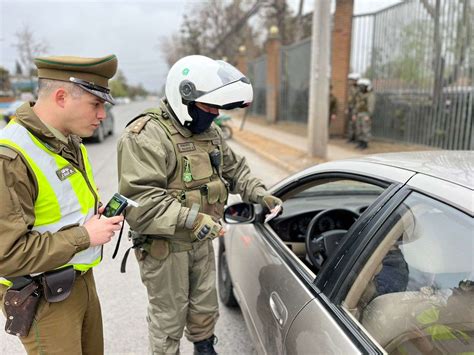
x=371 y=255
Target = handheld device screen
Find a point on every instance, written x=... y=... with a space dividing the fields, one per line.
x=115 y=206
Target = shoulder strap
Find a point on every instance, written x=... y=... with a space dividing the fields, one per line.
x=137 y=124
x=7 y=152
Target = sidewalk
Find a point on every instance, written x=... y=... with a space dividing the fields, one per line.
x=285 y=143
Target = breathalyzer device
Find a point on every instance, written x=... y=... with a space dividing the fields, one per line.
x=117 y=204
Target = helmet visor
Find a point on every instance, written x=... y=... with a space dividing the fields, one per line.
x=228 y=73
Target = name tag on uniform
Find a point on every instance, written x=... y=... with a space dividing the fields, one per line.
x=65 y=172
x=186 y=147
x=216 y=141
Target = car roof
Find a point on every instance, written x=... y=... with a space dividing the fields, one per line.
x=445 y=175
x=454 y=166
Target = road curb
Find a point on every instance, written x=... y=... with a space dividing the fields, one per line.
x=281 y=164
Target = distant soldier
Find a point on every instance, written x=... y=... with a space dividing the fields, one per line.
x=351 y=101
x=365 y=103
x=332 y=106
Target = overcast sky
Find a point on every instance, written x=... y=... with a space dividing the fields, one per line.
x=129 y=29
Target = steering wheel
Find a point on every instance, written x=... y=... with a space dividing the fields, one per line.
x=321 y=244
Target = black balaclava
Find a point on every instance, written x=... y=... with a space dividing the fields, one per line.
x=202 y=120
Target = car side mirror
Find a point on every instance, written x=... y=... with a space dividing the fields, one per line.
x=242 y=212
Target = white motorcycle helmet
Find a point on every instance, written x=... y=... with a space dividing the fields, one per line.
x=197 y=78
x=353 y=76
x=364 y=82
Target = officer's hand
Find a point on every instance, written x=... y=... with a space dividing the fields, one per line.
x=205 y=228
x=366 y=118
x=270 y=202
x=102 y=230
x=354 y=117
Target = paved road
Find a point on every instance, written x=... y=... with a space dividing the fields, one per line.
x=123 y=296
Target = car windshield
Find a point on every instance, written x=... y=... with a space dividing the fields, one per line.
x=340 y=187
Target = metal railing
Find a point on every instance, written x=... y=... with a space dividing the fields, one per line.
x=419 y=55
x=257 y=72
x=294 y=81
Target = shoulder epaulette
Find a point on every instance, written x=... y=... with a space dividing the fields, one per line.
x=6 y=152
x=137 y=124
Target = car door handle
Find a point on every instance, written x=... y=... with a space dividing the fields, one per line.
x=278 y=309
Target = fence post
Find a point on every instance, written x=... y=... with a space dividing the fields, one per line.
x=340 y=58
x=272 y=48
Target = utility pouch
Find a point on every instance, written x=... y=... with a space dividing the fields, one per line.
x=159 y=249
x=20 y=308
x=57 y=284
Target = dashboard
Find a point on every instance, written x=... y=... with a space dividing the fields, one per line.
x=293 y=224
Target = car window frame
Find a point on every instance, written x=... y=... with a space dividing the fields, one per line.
x=337 y=291
x=360 y=338
x=286 y=254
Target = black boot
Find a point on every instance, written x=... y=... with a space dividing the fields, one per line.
x=206 y=346
x=363 y=145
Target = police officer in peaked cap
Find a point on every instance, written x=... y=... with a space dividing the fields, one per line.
x=51 y=236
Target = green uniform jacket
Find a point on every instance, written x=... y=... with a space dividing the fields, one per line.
x=23 y=251
x=365 y=102
x=351 y=100
x=146 y=164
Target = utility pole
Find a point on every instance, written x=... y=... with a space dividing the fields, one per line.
x=318 y=112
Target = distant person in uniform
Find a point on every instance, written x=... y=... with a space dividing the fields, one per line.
x=174 y=162
x=51 y=236
x=333 y=104
x=350 y=111
x=364 y=107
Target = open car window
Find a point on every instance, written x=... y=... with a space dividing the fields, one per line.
x=415 y=294
x=321 y=212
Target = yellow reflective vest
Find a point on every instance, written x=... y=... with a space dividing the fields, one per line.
x=64 y=195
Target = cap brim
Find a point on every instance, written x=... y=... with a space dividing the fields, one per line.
x=100 y=94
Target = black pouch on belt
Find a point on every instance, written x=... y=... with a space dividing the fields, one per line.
x=20 y=308
x=57 y=284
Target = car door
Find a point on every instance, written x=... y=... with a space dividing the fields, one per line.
x=273 y=285
x=269 y=291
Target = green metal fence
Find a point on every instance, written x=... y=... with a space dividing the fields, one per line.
x=419 y=55
x=257 y=72
x=294 y=81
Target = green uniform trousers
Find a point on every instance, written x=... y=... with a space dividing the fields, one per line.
x=363 y=127
x=182 y=293
x=351 y=127
x=72 y=326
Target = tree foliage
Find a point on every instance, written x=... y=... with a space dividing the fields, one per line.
x=28 y=47
x=217 y=28
x=4 y=79
x=119 y=87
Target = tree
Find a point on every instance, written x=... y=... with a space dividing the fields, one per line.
x=215 y=29
x=118 y=85
x=28 y=48
x=4 y=80
x=462 y=44
x=18 y=70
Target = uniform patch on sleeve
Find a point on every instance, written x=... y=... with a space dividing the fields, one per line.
x=65 y=172
x=186 y=147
